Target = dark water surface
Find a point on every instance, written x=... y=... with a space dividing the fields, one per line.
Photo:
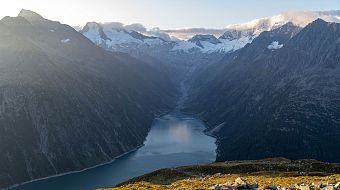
x=174 y=140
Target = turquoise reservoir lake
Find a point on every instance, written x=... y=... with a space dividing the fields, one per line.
x=174 y=140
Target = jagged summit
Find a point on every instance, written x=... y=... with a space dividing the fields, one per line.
x=90 y=26
x=319 y=24
x=318 y=29
x=197 y=39
x=29 y=15
x=96 y=28
x=319 y=21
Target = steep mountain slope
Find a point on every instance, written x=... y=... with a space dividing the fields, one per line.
x=276 y=97
x=65 y=103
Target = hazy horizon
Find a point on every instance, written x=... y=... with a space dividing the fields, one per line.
x=173 y=14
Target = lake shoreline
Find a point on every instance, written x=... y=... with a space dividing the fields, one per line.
x=176 y=114
x=73 y=172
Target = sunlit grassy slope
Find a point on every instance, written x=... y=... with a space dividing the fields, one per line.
x=265 y=173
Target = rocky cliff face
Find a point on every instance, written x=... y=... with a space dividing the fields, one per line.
x=278 y=96
x=65 y=103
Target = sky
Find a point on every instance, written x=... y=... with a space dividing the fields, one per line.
x=166 y=14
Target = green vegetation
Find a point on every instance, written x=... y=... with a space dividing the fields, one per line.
x=265 y=174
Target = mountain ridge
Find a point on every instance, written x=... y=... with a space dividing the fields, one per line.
x=66 y=104
x=286 y=93
x=233 y=37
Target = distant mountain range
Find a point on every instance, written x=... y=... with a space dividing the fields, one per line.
x=201 y=48
x=118 y=37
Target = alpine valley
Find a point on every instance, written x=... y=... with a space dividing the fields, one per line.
x=76 y=97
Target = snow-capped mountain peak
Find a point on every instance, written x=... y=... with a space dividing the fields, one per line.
x=209 y=43
x=119 y=37
x=197 y=39
x=112 y=36
x=239 y=35
x=298 y=18
x=94 y=32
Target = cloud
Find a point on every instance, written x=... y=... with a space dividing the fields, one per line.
x=118 y=25
x=158 y=33
x=136 y=27
x=300 y=18
x=190 y=32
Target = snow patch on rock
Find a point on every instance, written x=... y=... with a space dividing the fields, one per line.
x=65 y=40
x=184 y=46
x=275 y=45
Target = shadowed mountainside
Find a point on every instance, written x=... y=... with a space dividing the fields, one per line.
x=278 y=96
x=67 y=104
